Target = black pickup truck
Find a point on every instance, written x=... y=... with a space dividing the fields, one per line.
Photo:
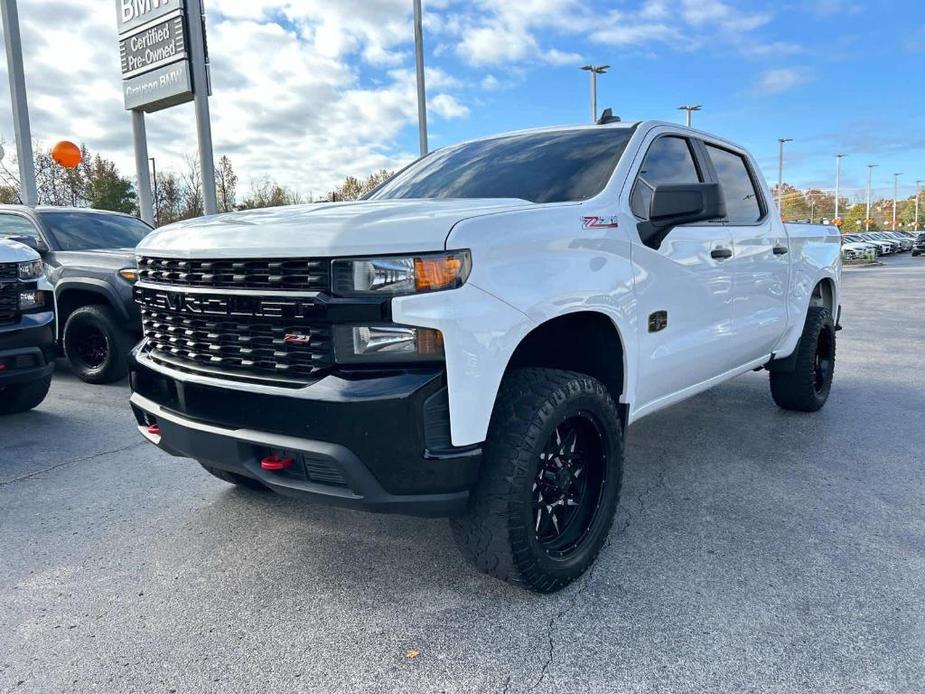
x=27 y=339
x=90 y=261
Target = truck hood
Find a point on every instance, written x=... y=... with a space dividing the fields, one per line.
x=13 y=252
x=321 y=229
x=103 y=258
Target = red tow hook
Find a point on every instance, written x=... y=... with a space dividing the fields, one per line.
x=274 y=462
x=154 y=430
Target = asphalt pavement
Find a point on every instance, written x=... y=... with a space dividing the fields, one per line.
x=755 y=550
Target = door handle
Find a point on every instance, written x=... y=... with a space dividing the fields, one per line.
x=721 y=253
x=780 y=250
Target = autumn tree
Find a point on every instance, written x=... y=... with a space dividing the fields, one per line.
x=265 y=192
x=226 y=182
x=353 y=188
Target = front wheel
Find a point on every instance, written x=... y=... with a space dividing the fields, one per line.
x=807 y=387
x=23 y=396
x=96 y=344
x=550 y=480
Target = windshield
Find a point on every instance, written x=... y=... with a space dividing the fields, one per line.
x=86 y=231
x=540 y=167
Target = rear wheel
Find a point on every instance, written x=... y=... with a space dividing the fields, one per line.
x=23 y=396
x=235 y=478
x=96 y=344
x=550 y=481
x=807 y=387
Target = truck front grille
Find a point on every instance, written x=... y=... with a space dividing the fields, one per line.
x=238 y=347
x=9 y=272
x=9 y=294
x=296 y=274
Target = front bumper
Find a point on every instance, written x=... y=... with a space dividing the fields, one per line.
x=27 y=349
x=372 y=441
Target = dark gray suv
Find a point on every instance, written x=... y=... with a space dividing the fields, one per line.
x=89 y=259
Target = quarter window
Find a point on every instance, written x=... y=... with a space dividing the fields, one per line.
x=742 y=203
x=669 y=160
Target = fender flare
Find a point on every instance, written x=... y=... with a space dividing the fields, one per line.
x=94 y=286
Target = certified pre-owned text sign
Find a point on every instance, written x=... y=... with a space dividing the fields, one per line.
x=157 y=45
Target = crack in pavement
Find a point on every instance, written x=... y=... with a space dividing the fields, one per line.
x=589 y=576
x=29 y=475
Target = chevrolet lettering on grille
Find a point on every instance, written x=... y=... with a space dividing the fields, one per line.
x=225 y=305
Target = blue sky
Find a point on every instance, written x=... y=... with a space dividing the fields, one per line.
x=835 y=76
x=309 y=91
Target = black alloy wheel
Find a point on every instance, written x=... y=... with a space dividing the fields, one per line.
x=569 y=485
x=90 y=345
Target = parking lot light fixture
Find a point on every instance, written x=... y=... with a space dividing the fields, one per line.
x=870 y=171
x=895 y=195
x=594 y=71
x=780 y=174
x=838 y=158
x=690 y=110
x=918 y=194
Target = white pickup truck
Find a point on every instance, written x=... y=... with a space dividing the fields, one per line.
x=472 y=339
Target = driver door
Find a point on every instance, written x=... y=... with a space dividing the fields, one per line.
x=684 y=286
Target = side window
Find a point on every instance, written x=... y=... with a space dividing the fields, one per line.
x=14 y=225
x=669 y=160
x=743 y=206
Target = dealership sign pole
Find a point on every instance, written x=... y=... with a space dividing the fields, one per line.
x=163 y=53
x=20 y=105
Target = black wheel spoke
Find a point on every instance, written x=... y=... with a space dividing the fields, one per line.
x=568 y=484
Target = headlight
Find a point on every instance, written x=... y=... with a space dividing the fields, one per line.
x=31 y=299
x=378 y=344
x=31 y=270
x=398 y=275
x=129 y=274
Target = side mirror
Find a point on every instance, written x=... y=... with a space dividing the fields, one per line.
x=682 y=203
x=686 y=203
x=33 y=242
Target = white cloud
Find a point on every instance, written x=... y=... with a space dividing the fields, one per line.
x=299 y=88
x=780 y=80
x=447 y=106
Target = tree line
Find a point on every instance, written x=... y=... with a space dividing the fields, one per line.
x=97 y=182
x=813 y=204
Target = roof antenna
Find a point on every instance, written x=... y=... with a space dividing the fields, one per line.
x=608 y=117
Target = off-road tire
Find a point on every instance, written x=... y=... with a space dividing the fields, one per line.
x=235 y=478
x=117 y=340
x=800 y=389
x=496 y=534
x=23 y=396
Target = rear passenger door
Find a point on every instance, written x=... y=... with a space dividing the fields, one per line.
x=760 y=260
x=684 y=283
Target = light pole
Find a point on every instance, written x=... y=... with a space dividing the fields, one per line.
x=594 y=71
x=419 y=67
x=895 y=195
x=838 y=158
x=780 y=174
x=17 y=76
x=154 y=183
x=918 y=194
x=870 y=170
x=690 y=109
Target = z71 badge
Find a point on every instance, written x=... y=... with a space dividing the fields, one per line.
x=599 y=223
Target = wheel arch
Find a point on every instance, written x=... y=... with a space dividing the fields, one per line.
x=589 y=342
x=72 y=294
x=824 y=294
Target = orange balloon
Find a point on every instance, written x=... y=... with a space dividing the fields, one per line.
x=67 y=154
